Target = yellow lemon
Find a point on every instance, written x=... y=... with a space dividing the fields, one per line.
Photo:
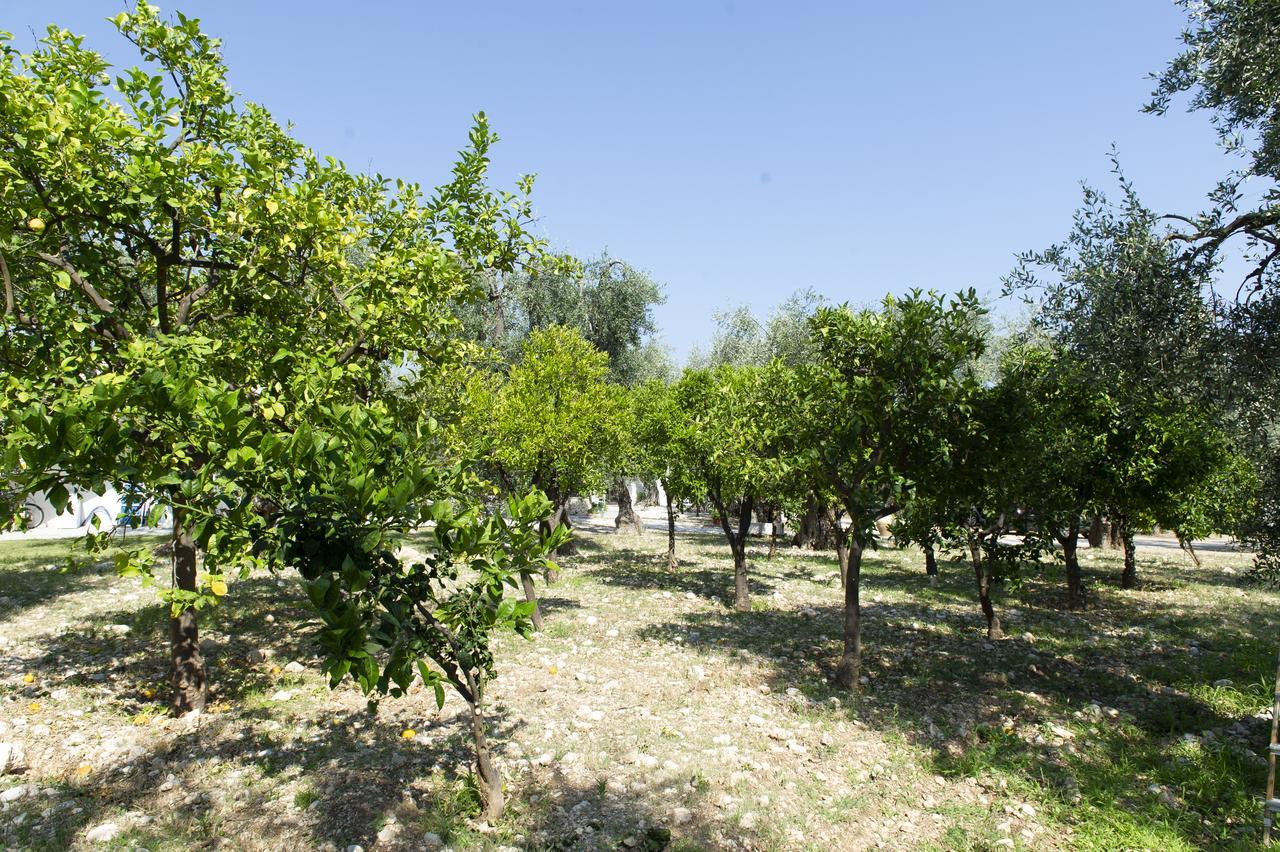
x=34 y=706
x=83 y=769
x=146 y=693
x=554 y=669
x=218 y=587
x=408 y=733
x=36 y=225
x=28 y=678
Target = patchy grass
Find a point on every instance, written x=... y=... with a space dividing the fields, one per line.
x=651 y=716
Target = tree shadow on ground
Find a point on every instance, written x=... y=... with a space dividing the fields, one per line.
x=38 y=572
x=637 y=569
x=1124 y=675
x=125 y=652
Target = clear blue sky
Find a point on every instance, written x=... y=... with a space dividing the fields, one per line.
x=738 y=151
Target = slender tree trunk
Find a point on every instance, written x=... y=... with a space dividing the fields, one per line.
x=842 y=554
x=930 y=563
x=627 y=520
x=184 y=635
x=738 y=545
x=672 y=562
x=851 y=660
x=1187 y=545
x=1129 y=576
x=1114 y=538
x=531 y=595
x=1075 y=580
x=982 y=572
x=490 y=781
x=842 y=545
x=741 y=594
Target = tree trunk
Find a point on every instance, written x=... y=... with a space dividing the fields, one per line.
x=490 y=782
x=982 y=572
x=851 y=660
x=741 y=595
x=672 y=562
x=1096 y=533
x=930 y=563
x=842 y=546
x=1187 y=545
x=738 y=545
x=842 y=554
x=627 y=521
x=570 y=547
x=1129 y=576
x=526 y=580
x=184 y=635
x=1075 y=581
x=1113 y=535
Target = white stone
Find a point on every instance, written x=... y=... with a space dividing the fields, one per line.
x=104 y=833
x=680 y=816
x=13 y=794
x=295 y=667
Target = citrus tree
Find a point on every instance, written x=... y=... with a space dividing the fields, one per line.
x=553 y=422
x=728 y=421
x=179 y=273
x=875 y=407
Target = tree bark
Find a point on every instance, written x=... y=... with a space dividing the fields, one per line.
x=851 y=660
x=982 y=573
x=738 y=546
x=490 y=781
x=672 y=562
x=930 y=563
x=842 y=554
x=1096 y=532
x=570 y=547
x=842 y=545
x=1075 y=581
x=627 y=520
x=531 y=595
x=188 y=673
x=1129 y=576
x=741 y=594
x=1114 y=538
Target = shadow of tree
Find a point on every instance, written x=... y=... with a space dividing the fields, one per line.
x=636 y=569
x=1121 y=671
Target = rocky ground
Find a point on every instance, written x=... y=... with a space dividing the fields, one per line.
x=650 y=716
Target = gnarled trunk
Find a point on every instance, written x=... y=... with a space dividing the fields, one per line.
x=982 y=573
x=930 y=563
x=188 y=673
x=851 y=659
x=626 y=521
x=1097 y=533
